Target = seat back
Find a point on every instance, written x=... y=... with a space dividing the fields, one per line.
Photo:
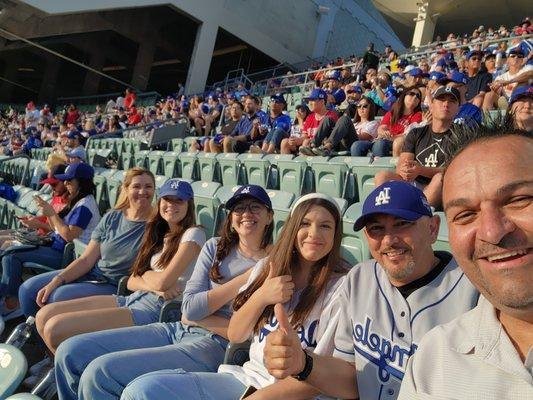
x=257 y=169
x=442 y=243
x=189 y=165
x=206 y=204
x=329 y=175
x=208 y=167
x=171 y=164
x=155 y=162
x=230 y=169
x=354 y=244
x=13 y=367
x=281 y=205
x=293 y=175
x=140 y=158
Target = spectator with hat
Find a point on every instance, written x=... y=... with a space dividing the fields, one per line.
x=336 y=94
x=76 y=220
x=74 y=139
x=521 y=108
x=278 y=126
x=215 y=144
x=469 y=113
x=76 y=155
x=247 y=129
x=478 y=81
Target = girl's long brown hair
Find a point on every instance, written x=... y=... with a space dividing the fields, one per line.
x=228 y=240
x=284 y=258
x=154 y=236
x=399 y=107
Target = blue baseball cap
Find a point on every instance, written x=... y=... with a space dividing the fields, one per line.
x=278 y=98
x=397 y=198
x=390 y=92
x=74 y=135
x=177 y=188
x=455 y=76
x=354 y=89
x=403 y=63
x=521 y=92
x=472 y=53
x=213 y=96
x=436 y=76
x=77 y=152
x=317 y=94
x=517 y=50
x=253 y=191
x=416 y=72
x=335 y=75
x=76 y=171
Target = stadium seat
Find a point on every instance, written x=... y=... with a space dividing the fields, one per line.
x=223 y=194
x=274 y=170
x=206 y=205
x=293 y=175
x=176 y=145
x=126 y=160
x=281 y=204
x=230 y=169
x=113 y=187
x=362 y=171
x=155 y=163
x=141 y=158
x=329 y=175
x=189 y=165
x=171 y=164
x=208 y=167
x=257 y=169
x=442 y=243
x=79 y=248
x=354 y=247
x=100 y=180
x=13 y=366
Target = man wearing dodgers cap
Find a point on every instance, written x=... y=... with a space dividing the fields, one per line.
x=385 y=306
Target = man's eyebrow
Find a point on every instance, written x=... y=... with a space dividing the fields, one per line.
x=510 y=187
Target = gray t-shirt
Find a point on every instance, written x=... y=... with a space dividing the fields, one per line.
x=120 y=241
x=194 y=304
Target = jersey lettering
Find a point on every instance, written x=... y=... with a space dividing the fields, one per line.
x=306 y=335
x=383 y=197
x=390 y=358
x=431 y=160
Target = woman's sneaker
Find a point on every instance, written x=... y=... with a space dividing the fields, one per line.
x=306 y=151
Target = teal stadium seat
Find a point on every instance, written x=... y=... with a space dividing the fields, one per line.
x=442 y=243
x=281 y=204
x=155 y=161
x=329 y=175
x=293 y=175
x=171 y=164
x=189 y=165
x=13 y=366
x=230 y=169
x=206 y=204
x=354 y=247
x=141 y=158
x=208 y=167
x=257 y=169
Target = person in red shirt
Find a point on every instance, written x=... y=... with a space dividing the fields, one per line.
x=405 y=112
x=318 y=124
x=135 y=117
x=72 y=115
x=129 y=99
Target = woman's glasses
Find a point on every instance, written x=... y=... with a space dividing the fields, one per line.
x=254 y=208
x=416 y=94
x=363 y=106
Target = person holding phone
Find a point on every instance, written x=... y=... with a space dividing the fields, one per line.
x=76 y=220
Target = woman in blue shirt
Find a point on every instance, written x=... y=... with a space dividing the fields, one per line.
x=77 y=220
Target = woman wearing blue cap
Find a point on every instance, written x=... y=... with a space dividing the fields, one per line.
x=169 y=249
x=76 y=221
x=99 y=365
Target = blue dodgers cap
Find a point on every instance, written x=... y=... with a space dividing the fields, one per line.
x=521 y=92
x=254 y=191
x=455 y=76
x=77 y=152
x=403 y=63
x=76 y=171
x=397 y=198
x=416 y=72
x=335 y=74
x=436 y=76
x=177 y=188
x=354 y=89
x=278 y=98
x=317 y=94
x=517 y=50
x=473 y=53
x=74 y=134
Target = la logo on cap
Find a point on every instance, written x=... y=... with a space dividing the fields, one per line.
x=246 y=190
x=383 y=197
x=174 y=185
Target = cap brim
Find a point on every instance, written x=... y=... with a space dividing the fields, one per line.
x=63 y=177
x=50 y=181
x=235 y=199
x=182 y=197
x=405 y=214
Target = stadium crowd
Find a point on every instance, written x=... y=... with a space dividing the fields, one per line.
x=411 y=323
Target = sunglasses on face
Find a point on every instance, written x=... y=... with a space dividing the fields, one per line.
x=516 y=56
x=417 y=95
x=363 y=106
x=475 y=59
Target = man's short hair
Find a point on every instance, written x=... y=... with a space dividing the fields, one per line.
x=255 y=99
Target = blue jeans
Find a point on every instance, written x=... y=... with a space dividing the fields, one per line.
x=99 y=365
x=179 y=384
x=12 y=266
x=275 y=136
x=380 y=148
x=29 y=289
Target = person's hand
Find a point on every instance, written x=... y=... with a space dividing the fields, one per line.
x=283 y=355
x=46 y=209
x=409 y=170
x=427 y=117
x=172 y=293
x=276 y=289
x=45 y=292
x=384 y=133
x=30 y=222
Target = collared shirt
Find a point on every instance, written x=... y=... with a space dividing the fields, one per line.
x=245 y=125
x=470 y=357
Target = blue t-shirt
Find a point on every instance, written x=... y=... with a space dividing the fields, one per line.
x=282 y=121
x=120 y=241
x=245 y=125
x=469 y=115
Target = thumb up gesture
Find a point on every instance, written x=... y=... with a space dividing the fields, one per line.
x=283 y=354
x=276 y=289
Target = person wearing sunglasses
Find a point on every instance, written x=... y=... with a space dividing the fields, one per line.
x=504 y=84
x=478 y=81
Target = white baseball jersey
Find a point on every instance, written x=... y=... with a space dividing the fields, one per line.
x=254 y=373
x=378 y=329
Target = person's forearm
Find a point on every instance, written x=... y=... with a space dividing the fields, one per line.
x=138 y=283
x=62 y=228
x=287 y=389
x=428 y=172
x=76 y=269
x=333 y=377
x=213 y=323
x=243 y=321
x=219 y=296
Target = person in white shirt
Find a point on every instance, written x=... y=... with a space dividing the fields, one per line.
x=299 y=277
x=486 y=353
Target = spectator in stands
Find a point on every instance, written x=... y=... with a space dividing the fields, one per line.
x=134 y=116
x=113 y=124
x=423 y=156
x=370 y=58
x=74 y=140
x=502 y=87
x=317 y=126
x=299 y=277
x=76 y=155
x=198 y=342
x=468 y=113
x=215 y=145
x=32 y=116
x=347 y=77
x=336 y=94
x=212 y=117
x=478 y=81
x=380 y=82
x=405 y=112
x=240 y=92
x=72 y=115
x=521 y=108
x=247 y=130
x=46 y=114
x=77 y=220
x=302 y=112
x=354 y=93
x=278 y=126
x=169 y=249
x=129 y=98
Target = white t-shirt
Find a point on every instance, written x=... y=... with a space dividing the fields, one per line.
x=194 y=234
x=253 y=372
x=370 y=127
x=507 y=76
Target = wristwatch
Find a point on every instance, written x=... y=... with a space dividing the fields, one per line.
x=308 y=367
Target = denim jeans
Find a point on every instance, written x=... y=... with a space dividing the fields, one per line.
x=99 y=365
x=12 y=266
x=275 y=136
x=379 y=148
x=74 y=290
x=181 y=385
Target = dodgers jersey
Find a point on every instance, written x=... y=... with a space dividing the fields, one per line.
x=253 y=372
x=378 y=329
